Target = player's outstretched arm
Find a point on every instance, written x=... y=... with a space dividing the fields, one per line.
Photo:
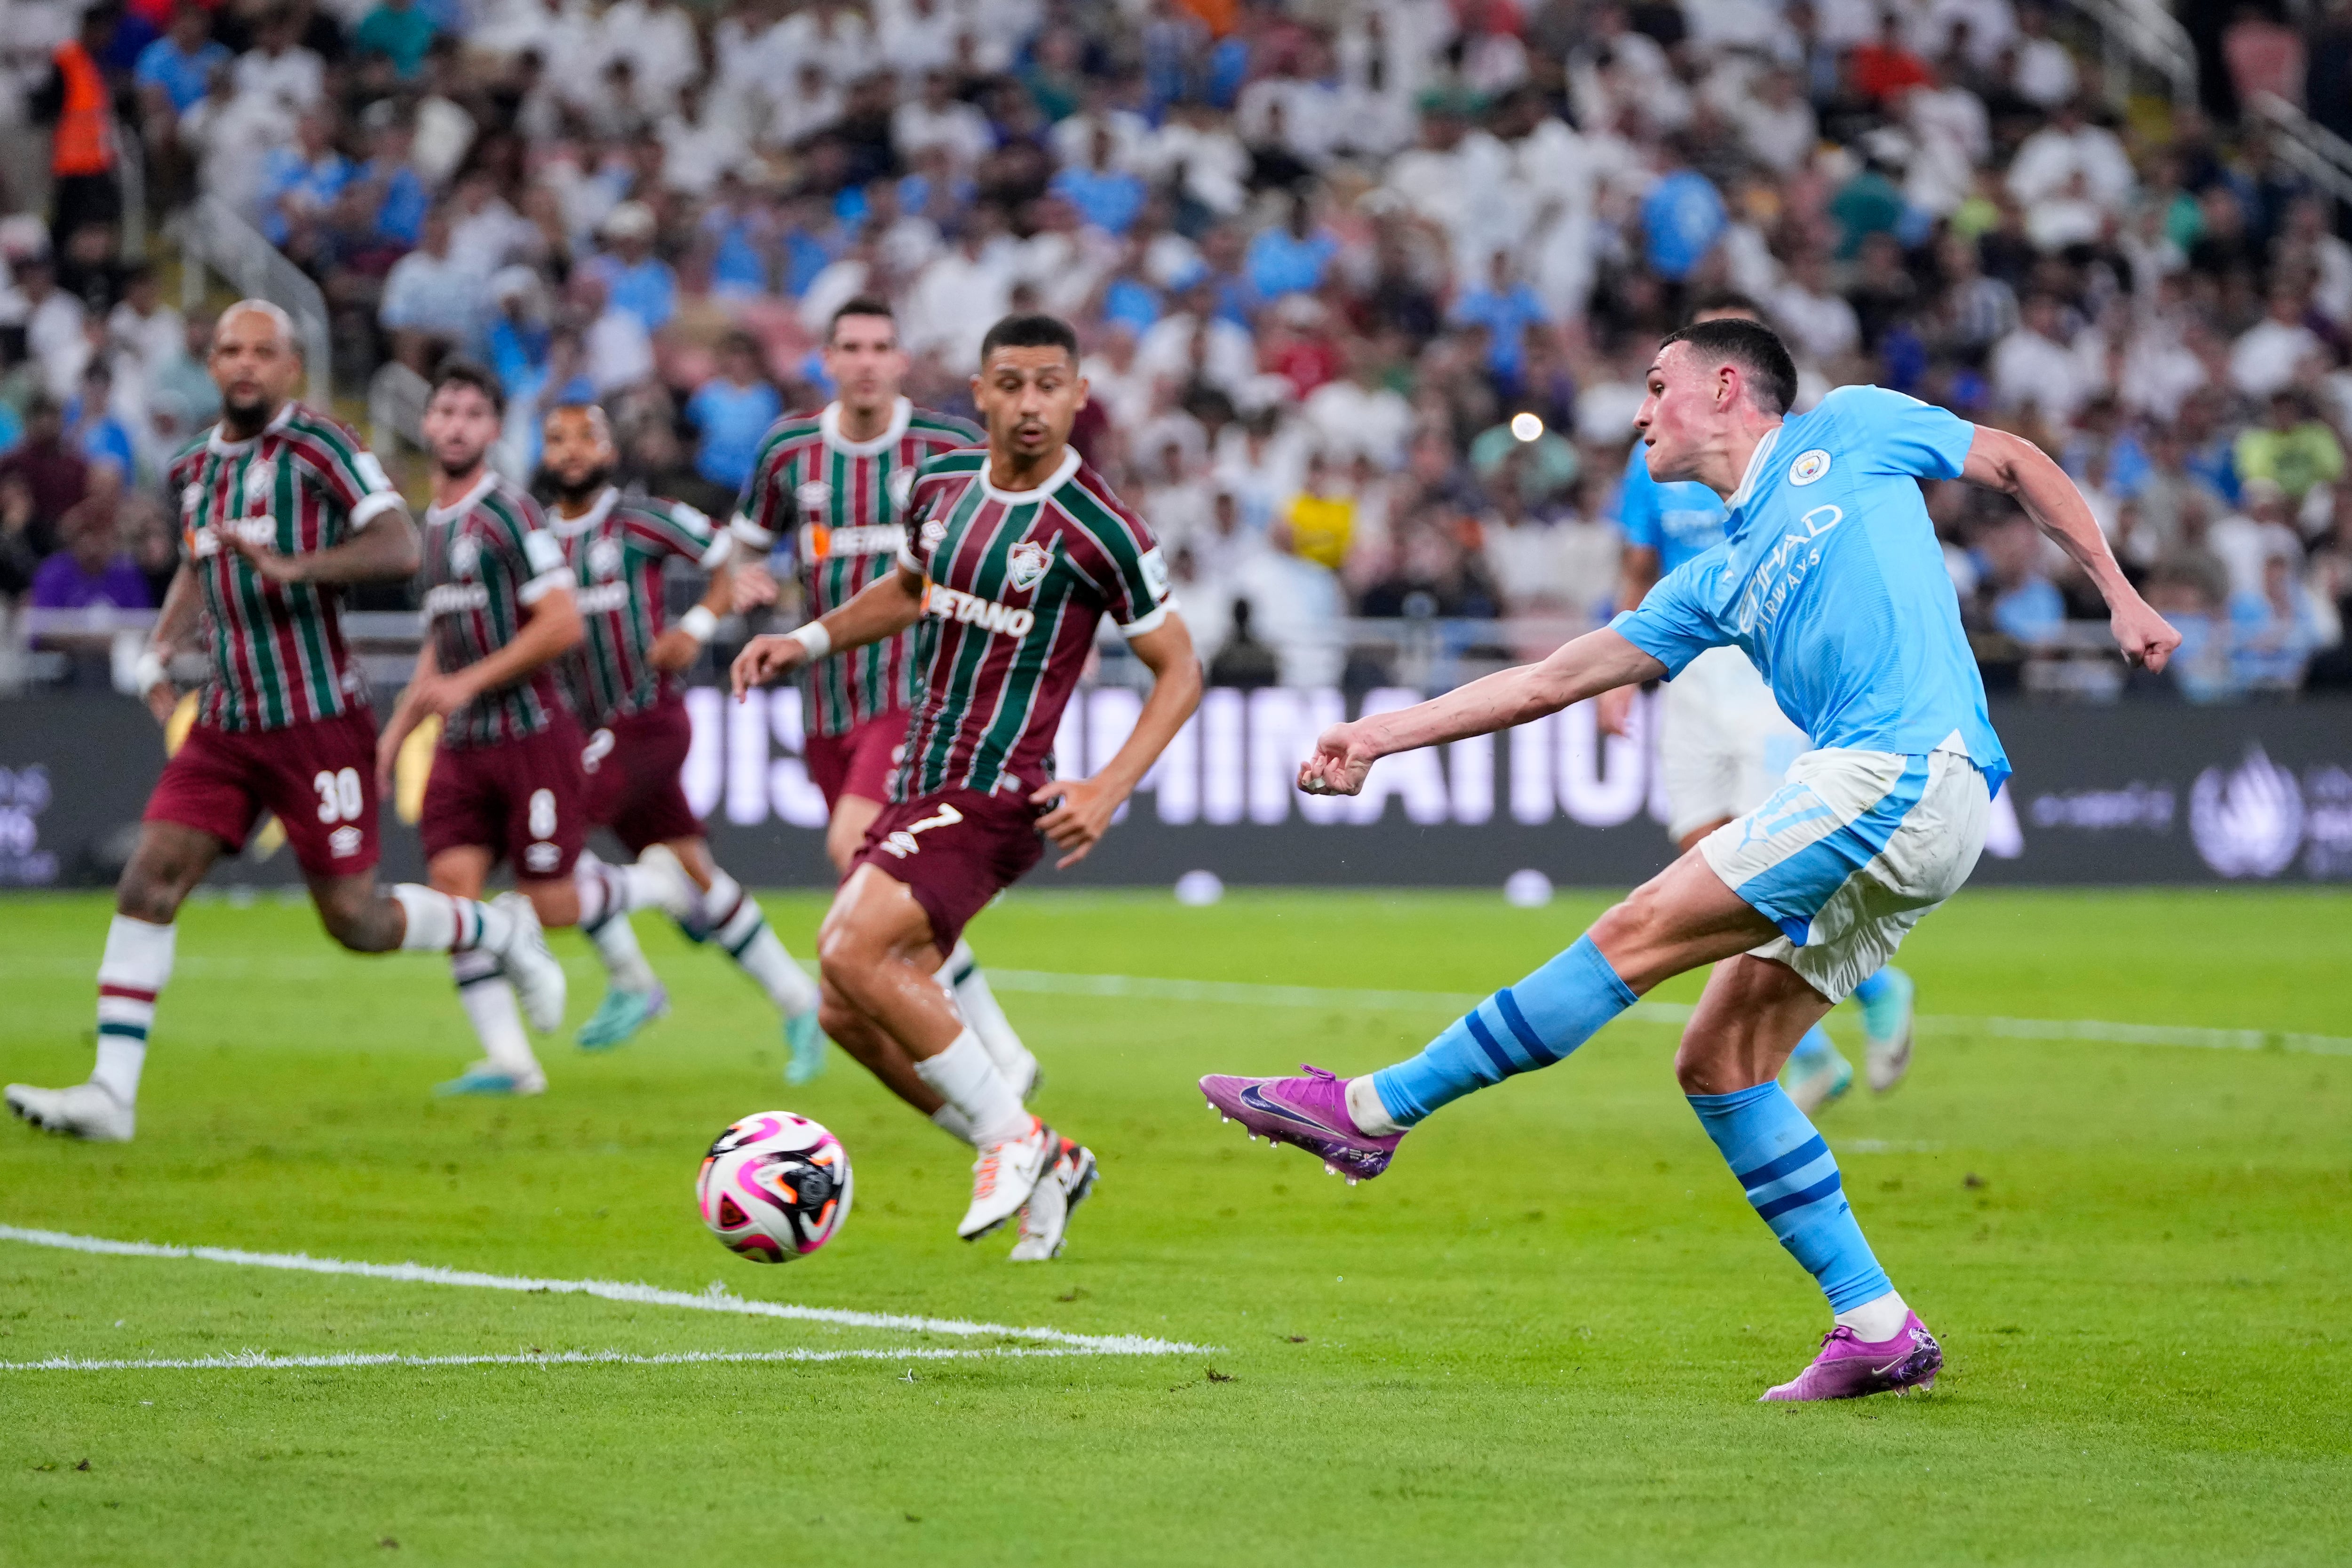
x=675 y=649
x=385 y=551
x=407 y=713
x=1086 y=806
x=182 y=602
x=2016 y=466
x=883 y=608
x=1596 y=662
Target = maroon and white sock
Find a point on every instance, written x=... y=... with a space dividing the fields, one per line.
x=132 y=974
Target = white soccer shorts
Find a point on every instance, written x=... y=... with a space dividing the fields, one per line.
x=1723 y=745
x=1849 y=853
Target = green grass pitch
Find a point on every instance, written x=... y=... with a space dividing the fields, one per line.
x=1539 y=1339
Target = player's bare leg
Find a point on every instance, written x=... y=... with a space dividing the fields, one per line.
x=959 y=973
x=879 y=959
x=498 y=988
x=711 y=906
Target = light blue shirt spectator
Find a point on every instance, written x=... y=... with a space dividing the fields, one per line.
x=289 y=177
x=732 y=418
x=400 y=218
x=181 y=73
x=1280 y=261
x=1106 y=198
x=646 y=288
x=1506 y=310
x=2031 y=612
x=1682 y=217
x=428 y=292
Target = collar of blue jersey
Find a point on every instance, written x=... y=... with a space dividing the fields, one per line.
x=573 y=527
x=829 y=424
x=231 y=449
x=464 y=503
x=1756 y=461
x=1062 y=471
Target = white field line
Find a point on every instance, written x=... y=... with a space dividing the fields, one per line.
x=257 y=1361
x=1128 y=987
x=715 y=1300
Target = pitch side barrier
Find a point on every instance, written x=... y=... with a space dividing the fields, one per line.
x=2136 y=792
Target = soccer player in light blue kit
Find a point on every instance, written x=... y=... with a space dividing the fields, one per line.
x=1831 y=580
x=1723 y=745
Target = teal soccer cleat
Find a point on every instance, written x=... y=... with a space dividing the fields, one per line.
x=806 y=1042
x=620 y=1015
x=1887 y=1020
x=489 y=1080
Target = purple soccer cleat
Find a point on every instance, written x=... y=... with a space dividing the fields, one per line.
x=1851 y=1368
x=1311 y=1111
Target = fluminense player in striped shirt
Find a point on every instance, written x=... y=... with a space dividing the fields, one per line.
x=280 y=508
x=506 y=782
x=623 y=684
x=1019 y=552
x=829 y=489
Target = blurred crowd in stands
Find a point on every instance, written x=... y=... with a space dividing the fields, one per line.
x=1367 y=286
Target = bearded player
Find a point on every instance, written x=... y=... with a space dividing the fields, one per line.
x=506 y=782
x=1724 y=745
x=1019 y=551
x=280 y=508
x=1831 y=579
x=832 y=490
x=624 y=687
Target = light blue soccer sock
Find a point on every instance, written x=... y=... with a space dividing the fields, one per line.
x=1793 y=1180
x=1520 y=1027
x=1872 y=990
x=1812 y=1053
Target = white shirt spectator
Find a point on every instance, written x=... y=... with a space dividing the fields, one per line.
x=293 y=74
x=2267 y=355
x=1818 y=322
x=1228 y=358
x=954 y=301
x=233 y=134
x=832 y=35
x=1214 y=163
x=2045 y=74
x=54 y=336
x=1778 y=125
x=150 y=340
x=618 y=350
x=916 y=35
x=656 y=37
x=2055 y=154
x=920 y=125
x=696 y=152
x=1073 y=138
x=1347 y=419
x=2028 y=367
x=2245 y=544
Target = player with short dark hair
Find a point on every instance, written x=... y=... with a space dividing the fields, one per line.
x=830 y=490
x=624 y=688
x=505 y=781
x=1831 y=579
x=280 y=508
x=1018 y=552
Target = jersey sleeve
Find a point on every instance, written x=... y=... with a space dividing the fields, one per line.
x=348 y=474
x=763 y=512
x=1896 y=434
x=915 y=549
x=1637 y=504
x=1132 y=575
x=664 y=528
x=534 y=554
x=1676 y=622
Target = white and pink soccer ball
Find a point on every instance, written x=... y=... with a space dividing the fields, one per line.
x=775 y=1186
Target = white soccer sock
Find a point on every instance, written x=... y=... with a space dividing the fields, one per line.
x=489 y=1000
x=1878 y=1319
x=605 y=899
x=978 y=1004
x=967 y=1081
x=1365 y=1109
x=133 y=971
x=732 y=918
x=951 y=1120
x=443 y=922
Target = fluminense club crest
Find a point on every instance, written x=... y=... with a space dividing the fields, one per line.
x=899 y=486
x=604 y=558
x=1027 y=566
x=259 y=480
x=463 y=556
x=814 y=496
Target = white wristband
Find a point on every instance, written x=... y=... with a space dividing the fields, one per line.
x=815 y=639
x=148 y=672
x=698 y=622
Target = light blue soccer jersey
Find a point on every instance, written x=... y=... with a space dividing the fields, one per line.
x=1831 y=581
x=1678 y=521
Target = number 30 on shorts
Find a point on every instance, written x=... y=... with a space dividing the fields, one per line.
x=341 y=797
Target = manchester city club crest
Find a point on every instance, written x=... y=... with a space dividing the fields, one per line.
x=604 y=558
x=463 y=556
x=1027 y=566
x=814 y=495
x=1808 y=466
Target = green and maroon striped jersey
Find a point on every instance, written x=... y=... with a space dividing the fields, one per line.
x=837 y=506
x=1014 y=584
x=487 y=559
x=304 y=484
x=616 y=551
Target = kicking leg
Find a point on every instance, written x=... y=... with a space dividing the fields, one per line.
x=1752 y=1013
x=715 y=908
x=1679 y=919
x=879 y=959
x=484 y=984
x=1886 y=1001
x=1818 y=1075
x=170 y=860
x=968 y=983
x=887 y=1060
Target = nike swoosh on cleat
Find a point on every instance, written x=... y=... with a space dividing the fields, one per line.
x=1256 y=1099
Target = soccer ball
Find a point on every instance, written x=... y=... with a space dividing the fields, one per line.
x=775 y=1186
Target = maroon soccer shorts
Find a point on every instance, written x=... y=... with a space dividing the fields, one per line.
x=857 y=761
x=318 y=777
x=521 y=800
x=955 y=850
x=632 y=766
